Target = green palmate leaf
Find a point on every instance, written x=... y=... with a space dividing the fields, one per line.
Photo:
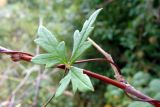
x=80 y=37
x=63 y=85
x=46 y=39
x=56 y=51
x=83 y=47
x=61 y=51
x=50 y=59
x=56 y=55
x=79 y=80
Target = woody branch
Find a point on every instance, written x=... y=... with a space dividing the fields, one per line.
x=121 y=83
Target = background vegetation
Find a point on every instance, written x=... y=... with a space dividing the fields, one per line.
x=128 y=29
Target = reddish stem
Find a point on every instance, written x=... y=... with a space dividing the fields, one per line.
x=17 y=56
x=100 y=77
x=101 y=60
x=105 y=79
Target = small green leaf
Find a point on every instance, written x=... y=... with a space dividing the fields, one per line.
x=46 y=39
x=63 y=85
x=62 y=51
x=80 y=37
x=79 y=80
x=76 y=38
x=82 y=48
x=56 y=51
x=91 y=19
x=52 y=63
x=50 y=59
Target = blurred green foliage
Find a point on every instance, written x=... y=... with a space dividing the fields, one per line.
x=129 y=30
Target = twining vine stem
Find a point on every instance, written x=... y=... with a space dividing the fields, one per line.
x=121 y=83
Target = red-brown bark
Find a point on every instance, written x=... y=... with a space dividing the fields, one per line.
x=18 y=56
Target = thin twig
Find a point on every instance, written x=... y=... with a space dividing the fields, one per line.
x=38 y=80
x=49 y=100
x=37 y=88
x=29 y=71
x=124 y=86
x=118 y=76
x=99 y=60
